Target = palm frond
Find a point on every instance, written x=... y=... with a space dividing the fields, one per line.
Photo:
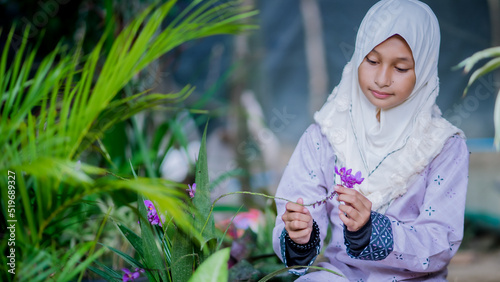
x=52 y=112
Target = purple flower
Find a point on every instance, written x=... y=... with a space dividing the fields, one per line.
x=191 y=190
x=349 y=180
x=130 y=276
x=152 y=215
x=341 y=172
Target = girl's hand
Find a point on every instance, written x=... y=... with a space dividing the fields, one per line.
x=356 y=211
x=298 y=222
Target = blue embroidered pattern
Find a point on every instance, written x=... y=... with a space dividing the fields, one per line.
x=399 y=256
x=438 y=179
x=381 y=240
x=397 y=222
x=430 y=210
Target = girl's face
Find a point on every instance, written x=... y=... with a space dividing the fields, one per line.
x=387 y=74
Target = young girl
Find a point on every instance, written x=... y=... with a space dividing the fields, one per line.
x=405 y=220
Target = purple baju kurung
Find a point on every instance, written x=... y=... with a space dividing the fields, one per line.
x=423 y=228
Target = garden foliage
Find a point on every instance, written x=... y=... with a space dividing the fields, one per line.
x=54 y=114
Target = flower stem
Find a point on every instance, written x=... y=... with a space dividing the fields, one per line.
x=263 y=195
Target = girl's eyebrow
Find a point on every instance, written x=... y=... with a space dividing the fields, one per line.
x=404 y=59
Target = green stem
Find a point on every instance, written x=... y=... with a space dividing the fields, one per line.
x=263 y=195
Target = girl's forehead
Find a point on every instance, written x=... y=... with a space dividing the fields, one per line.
x=395 y=43
x=394 y=48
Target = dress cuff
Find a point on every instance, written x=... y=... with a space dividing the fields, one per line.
x=358 y=240
x=381 y=240
x=300 y=254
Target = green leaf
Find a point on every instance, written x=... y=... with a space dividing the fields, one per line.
x=214 y=268
x=35 y=263
x=75 y=173
x=55 y=108
x=103 y=274
x=133 y=238
x=183 y=256
x=81 y=266
x=111 y=272
x=488 y=67
x=468 y=63
x=202 y=200
x=126 y=257
x=155 y=264
x=73 y=257
x=496 y=120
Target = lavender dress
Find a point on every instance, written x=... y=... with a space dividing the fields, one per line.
x=415 y=238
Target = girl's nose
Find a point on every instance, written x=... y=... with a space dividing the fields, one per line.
x=383 y=77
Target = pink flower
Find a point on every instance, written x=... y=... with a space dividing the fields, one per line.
x=248 y=219
x=130 y=276
x=241 y=222
x=191 y=190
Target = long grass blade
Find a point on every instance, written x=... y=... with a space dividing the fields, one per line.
x=284 y=270
x=468 y=63
x=488 y=67
x=496 y=121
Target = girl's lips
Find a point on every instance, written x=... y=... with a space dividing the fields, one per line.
x=380 y=95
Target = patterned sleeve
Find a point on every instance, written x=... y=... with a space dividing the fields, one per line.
x=379 y=239
x=293 y=256
x=303 y=178
x=427 y=243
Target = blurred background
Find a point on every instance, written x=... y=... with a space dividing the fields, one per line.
x=262 y=88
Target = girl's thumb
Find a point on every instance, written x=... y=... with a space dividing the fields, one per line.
x=300 y=201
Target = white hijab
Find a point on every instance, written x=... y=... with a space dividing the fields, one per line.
x=391 y=152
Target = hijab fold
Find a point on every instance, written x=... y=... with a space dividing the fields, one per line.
x=392 y=151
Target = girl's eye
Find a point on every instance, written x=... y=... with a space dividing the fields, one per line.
x=401 y=70
x=370 y=61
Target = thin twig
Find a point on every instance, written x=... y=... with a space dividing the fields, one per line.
x=266 y=196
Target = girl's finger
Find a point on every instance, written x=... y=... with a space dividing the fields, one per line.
x=348 y=222
x=299 y=234
x=296 y=225
x=296 y=207
x=353 y=197
x=350 y=212
x=343 y=190
x=293 y=207
x=355 y=202
x=296 y=216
